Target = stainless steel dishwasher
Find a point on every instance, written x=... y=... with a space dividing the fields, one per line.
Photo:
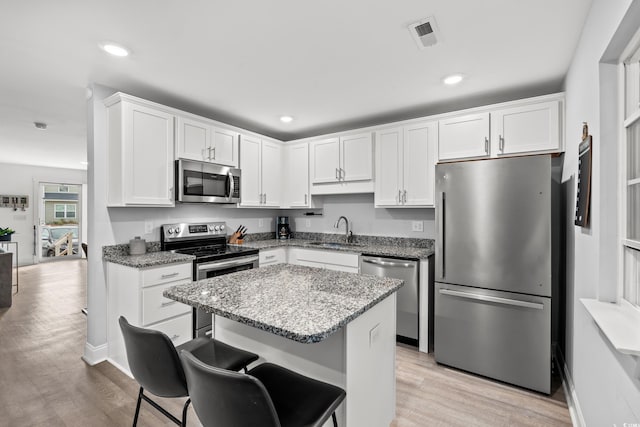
x=407 y=297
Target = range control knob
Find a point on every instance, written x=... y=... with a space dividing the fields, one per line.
x=170 y=230
x=222 y=228
x=217 y=228
x=177 y=230
x=211 y=228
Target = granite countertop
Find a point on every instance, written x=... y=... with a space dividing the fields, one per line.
x=359 y=248
x=120 y=255
x=304 y=304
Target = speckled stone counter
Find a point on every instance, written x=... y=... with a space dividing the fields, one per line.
x=377 y=249
x=304 y=304
x=119 y=254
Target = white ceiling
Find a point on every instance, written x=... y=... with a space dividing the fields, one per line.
x=332 y=64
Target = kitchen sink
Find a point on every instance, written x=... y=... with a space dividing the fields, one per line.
x=335 y=245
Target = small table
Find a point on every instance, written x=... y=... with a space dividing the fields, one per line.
x=4 y=245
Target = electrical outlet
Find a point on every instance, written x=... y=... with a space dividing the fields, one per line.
x=148 y=227
x=307 y=223
x=417 y=226
x=260 y=222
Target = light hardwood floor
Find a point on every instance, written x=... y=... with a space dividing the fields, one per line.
x=44 y=382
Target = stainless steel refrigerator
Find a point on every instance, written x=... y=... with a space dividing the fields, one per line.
x=498 y=249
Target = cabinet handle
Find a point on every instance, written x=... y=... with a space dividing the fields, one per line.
x=214 y=153
x=175 y=337
x=404 y=197
x=486 y=145
x=270 y=257
x=209 y=149
x=305 y=199
x=342 y=174
x=338 y=174
x=501 y=144
x=265 y=198
x=168 y=276
x=168 y=303
x=399 y=197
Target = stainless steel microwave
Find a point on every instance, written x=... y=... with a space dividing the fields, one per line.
x=202 y=182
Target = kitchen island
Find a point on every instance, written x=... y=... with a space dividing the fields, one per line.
x=334 y=326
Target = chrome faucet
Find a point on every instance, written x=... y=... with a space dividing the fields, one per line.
x=348 y=234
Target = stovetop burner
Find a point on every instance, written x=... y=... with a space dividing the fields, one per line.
x=206 y=241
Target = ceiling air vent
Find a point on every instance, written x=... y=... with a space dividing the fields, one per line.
x=424 y=32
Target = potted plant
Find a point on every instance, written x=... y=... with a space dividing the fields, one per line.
x=5 y=234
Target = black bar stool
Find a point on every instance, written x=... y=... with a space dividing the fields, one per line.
x=155 y=364
x=267 y=396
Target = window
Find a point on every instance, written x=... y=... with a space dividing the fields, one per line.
x=65 y=211
x=630 y=164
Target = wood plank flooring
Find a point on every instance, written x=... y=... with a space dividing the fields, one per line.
x=44 y=382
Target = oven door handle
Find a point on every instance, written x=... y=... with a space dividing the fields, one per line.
x=213 y=266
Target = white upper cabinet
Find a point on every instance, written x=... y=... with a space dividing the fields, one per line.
x=140 y=153
x=419 y=154
x=405 y=166
x=525 y=129
x=356 y=157
x=297 y=176
x=464 y=137
x=516 y=128
x=261 y=165
x=344 y=159
x=326 y=160
x=199 y=139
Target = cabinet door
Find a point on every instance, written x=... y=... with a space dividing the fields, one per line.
x=419 y=161
x=193 y=139
x=530 y=128
x=464 y=137
x=298 y=175
x=271 y=170
x=356 y=157
x=224 y=147
x=326 y=160
x=148 y=156
x=388 y=167
x=250 y=194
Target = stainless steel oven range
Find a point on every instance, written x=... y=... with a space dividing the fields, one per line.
x=207 y=241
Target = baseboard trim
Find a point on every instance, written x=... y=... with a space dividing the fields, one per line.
x=570 y=393
x=94 y=354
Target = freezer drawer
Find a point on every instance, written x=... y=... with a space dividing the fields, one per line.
x=500 y=335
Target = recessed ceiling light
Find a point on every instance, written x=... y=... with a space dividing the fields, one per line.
x=114 y=49
x=453 y=79
x=286 y=119
x=40 y=125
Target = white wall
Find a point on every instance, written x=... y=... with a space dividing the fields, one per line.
x=606 y=390
x=364 y=218
x=23 y=180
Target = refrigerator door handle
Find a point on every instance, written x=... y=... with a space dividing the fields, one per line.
x=441 y=233
x=489 y=298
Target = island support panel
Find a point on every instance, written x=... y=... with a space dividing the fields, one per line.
x=359 y=358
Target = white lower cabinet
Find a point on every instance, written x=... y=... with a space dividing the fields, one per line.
x=272 y=256
x=136 y=294
x=331 y=260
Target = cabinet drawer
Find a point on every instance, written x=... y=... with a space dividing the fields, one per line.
x=170 y=273
x=178 y=329
x=328 y=257
x=272 y=256
x=155 y=307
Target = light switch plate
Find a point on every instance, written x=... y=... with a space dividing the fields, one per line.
x=260 y=222
x=148 y=227
x=417 y=226
x=307 y=223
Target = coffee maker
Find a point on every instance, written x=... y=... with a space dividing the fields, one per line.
x=282 y=228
